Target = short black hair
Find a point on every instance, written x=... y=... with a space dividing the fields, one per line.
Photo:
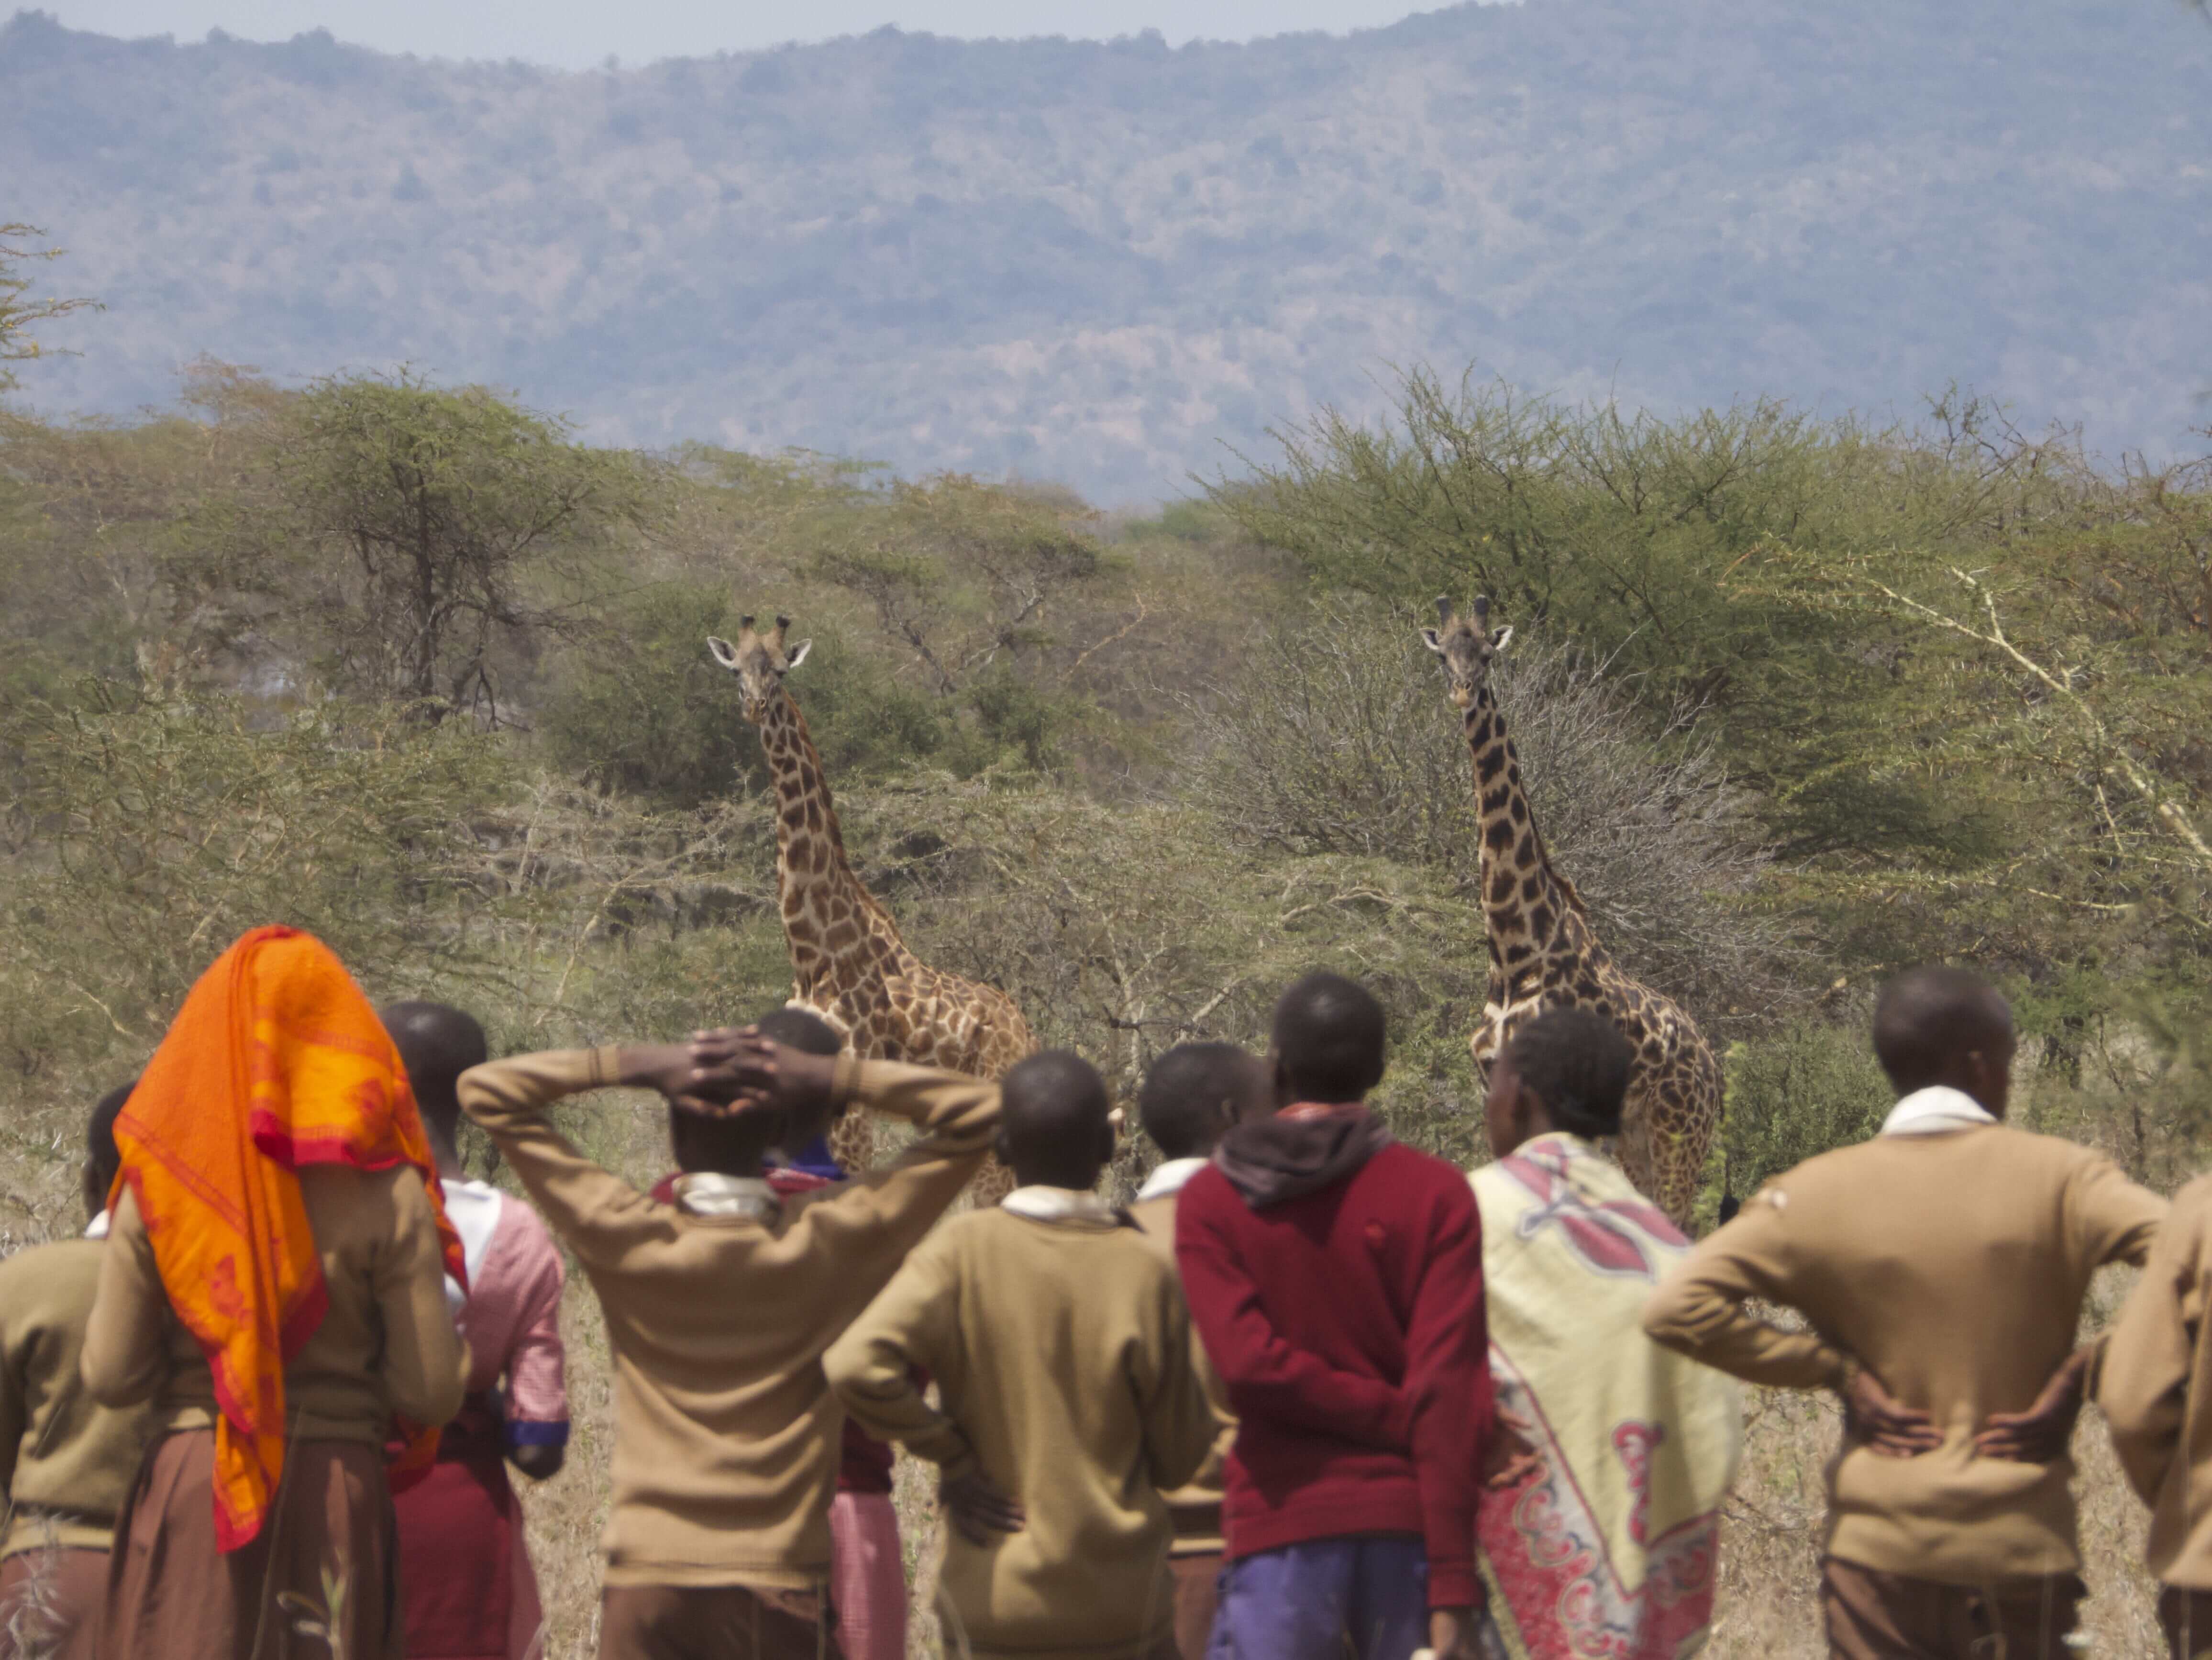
x=1927 y=1017
x=1330 y=1033
x=103 y=1160
x=1181 y=1103
x=800 y=1029
x=437 y=1042
x=1578 y=1063
x=1053 y=1118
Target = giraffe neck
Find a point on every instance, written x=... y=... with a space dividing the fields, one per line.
x=1526 y=903
x=832 y=924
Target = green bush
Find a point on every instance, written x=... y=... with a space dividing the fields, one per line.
x=1808 y=1087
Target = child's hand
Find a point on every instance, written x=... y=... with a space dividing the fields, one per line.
x=1887 y=1425
x=2040 y=1435
x=738 y=1065
x=1510 y=1456
x=977 y=1509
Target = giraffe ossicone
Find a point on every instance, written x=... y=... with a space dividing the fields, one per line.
x=848 y=963
x=1543 y=953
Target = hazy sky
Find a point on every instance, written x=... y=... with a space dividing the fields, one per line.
x=576 y=33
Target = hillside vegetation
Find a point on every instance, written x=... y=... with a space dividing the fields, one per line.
x=1799 y=701
x=1099 y=263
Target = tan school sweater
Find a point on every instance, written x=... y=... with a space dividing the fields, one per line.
x=65 y=1460
x=1953 y=1267
x=387 y=1344
x=2155 y=1385
x=1196 y=1506
x=1061 y=1352
x=726 y=1433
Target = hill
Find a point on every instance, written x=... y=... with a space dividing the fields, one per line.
x=1101 y=262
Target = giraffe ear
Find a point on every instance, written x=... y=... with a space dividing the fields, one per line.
x=1433 y=640
x=722 y=651
x=1499 y=640
x=797 y=655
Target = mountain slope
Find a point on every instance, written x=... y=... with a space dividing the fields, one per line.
x=1101 y=262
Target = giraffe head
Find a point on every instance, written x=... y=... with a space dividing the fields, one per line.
x=760 y=661
x=1466 y=645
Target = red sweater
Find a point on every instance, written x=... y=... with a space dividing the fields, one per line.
x=1347 y=1326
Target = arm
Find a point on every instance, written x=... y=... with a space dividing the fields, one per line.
x=1180 y=1426
x=425 y=1366
x=870 y=1367
x=957 y=1115
x=596 y=1211
x=1264 y=1375
x=15 y=1411
x=537 y=1387
x=1448 y=1385
x=2142 y=1380
x=2111 y=1219
x=1697 y=1310
x=124 y=1359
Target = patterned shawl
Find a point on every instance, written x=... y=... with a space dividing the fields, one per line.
x=1609 y=1554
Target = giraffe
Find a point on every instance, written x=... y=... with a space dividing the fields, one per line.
x=848 y=963
x=1545 y=954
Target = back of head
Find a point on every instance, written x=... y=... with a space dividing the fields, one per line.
x=1927 y=1018
x=102 y=1159
x=1054 y=1125
x=437 y=1043
x=800 y=1029
x=1329 y=1034
x=1577 y=1064
x=1191 y=1094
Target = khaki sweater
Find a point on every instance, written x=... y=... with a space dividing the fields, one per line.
x=726 y=1433
x=2154 y=1384
x=65 y=1460
x=385 y=1345
x=1953 y=1267
x=1196 y=1508
x=1061 y=1353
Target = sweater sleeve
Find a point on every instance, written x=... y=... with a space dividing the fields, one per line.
x=124 y=1361
x=1264 y=1375
x=15 y=1364
x=425 y=1365
x=2143 y=1374
x=2111 y=1218
x=872 y=1366
x=597 y=1212
x=1180 y=1426
x=881 y=1215
x=1448 y=1389
x=537 y=1387
x=1697 y=1310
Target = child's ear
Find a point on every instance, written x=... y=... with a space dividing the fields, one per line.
x=1106 y=1143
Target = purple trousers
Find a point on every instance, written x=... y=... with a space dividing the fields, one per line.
x=1367 y=1597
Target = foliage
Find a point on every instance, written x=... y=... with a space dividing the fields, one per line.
x=1807 y=1086
x=19 y=316
x=404 y=521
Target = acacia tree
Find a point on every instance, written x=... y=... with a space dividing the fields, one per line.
x=17 y=314
x=418 y=524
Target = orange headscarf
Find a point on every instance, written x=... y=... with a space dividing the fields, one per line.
x=275 y=1060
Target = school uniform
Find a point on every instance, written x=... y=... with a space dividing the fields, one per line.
x=1196 y=1507
x=2154 y=1386
x=65 y=1461
x=718 y=1309
x=384 y=1345
x=1061 y=1347
x=1950 y=1255
x=1335 y=1276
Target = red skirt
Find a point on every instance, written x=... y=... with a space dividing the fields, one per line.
x=465 y=1578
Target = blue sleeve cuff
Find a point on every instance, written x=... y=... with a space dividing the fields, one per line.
x=522 y=1432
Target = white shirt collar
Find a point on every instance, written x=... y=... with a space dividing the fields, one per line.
x=1043 y=1204
x=710 y=1193
x=97 y=1228
x=1934 y=1110
x=1170 y=1177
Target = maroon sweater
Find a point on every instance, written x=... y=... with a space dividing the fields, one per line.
x=1347 y=1326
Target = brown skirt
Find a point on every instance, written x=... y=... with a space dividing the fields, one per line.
x=319 y=1580
x=50 y=1602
